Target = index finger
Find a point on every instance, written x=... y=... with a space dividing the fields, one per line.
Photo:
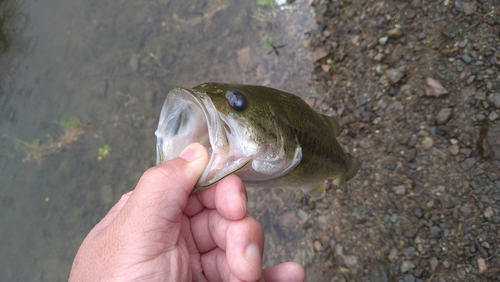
x=227 y=196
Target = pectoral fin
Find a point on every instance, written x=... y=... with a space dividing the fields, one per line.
x=334 y=125
x=354 y=166
x=316 y=191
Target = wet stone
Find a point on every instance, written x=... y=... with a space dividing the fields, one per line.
x=418 y=212
x=409 y=278
x=465 y=210
x=406 y=266
x=435 y=232
x=444 y=115
x=468 y=163
x=433 y=263
x=495 y=99
x=399 y=190
x=470 y=79
x=466 y=58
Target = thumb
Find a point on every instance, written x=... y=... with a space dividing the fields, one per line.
x=162 y=192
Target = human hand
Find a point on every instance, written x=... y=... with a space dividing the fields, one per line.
x=161 y=231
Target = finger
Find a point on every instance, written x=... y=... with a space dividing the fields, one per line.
x=243 y=241
x=228 y=196
x=161 y=195
x=286 y=272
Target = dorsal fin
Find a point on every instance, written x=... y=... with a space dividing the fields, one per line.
x=332 y=122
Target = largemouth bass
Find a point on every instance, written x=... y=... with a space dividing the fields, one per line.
x=269 y=138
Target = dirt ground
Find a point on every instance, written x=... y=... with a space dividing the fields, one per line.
x=416 y=87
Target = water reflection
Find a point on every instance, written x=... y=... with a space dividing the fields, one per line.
x=110 y=65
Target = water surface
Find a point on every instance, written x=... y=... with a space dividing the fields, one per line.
x=110 y=64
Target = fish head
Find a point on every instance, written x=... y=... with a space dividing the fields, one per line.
x=237 y=124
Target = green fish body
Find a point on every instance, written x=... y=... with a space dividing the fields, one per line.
x=269 y=138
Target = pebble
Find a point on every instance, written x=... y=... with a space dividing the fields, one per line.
x=470 y=79
x=493 y=60
x=409 y=278
x=493 y=116
x=434 y=88
x=399 y=190
x=395 y=75
x=466 y=58
x=481 y=265
x=444 y=115
x=383 y=40
x=428 y=142
x=418 y=212
x=395 y=33
x=489 y=212
x=468 y=163
x=465 y=210
x=433 y=263
x=495 y=99
x=406 y=266
x=453 y=149
x=435 y=232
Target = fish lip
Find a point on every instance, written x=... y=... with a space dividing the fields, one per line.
x=180 y=101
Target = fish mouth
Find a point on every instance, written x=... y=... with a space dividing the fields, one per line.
x=189 y=116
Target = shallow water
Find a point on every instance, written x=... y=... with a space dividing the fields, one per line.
x=111 y=64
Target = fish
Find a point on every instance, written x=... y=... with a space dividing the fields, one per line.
x=268 y=137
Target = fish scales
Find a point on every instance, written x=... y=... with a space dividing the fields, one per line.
x=268 y=137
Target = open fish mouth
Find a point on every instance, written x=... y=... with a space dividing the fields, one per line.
x=189 y=116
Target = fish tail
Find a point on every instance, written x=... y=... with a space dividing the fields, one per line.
x=354 y=166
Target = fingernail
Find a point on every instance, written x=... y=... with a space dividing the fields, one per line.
x=254 y=257
x=191 y=153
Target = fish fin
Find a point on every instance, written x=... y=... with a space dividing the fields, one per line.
x=316 y=191
x=341 y=183
x=353 y=167
x=334 y=125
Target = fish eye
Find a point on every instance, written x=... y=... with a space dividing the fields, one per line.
x=237 y=100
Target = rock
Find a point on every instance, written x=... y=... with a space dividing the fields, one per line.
x=489 y=212
x=495 y=100
x=468 y=163
x=399 y=190
x=418 y=212
x=409 y=278
x=383 y=40
x=366 y=143
x=480 y=95
x=320 y=53
x=465 y=210
x=450 y=31
x=481 y=265
x=444 y=115
x=395 y=33
x=468 y=8
x=493 y=116
x=454 y=149
x=395 y=75
x=466 y=58
x=433 y=262
x=325 y=67
x=470 y=79
x=406 y=266
x=434 y=88
x=428 y=142
x=408 y=252
x=435 y=232
x=317 y=245
x=393 y=254
x=289 y=219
